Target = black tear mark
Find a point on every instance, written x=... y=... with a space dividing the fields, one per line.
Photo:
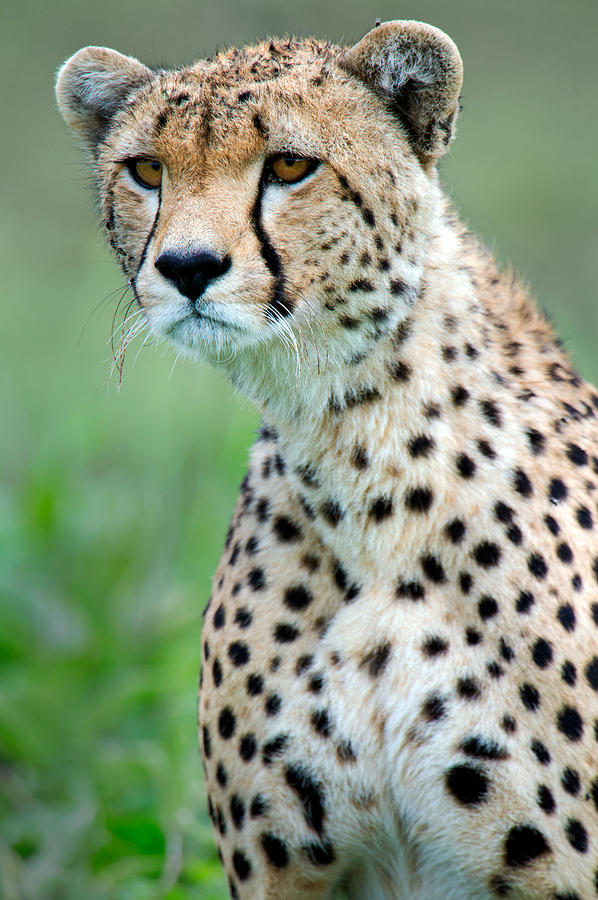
x=279 y=306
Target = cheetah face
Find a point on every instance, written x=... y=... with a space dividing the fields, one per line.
x=268 y=195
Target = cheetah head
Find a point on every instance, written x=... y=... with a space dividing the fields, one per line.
x=275 y=194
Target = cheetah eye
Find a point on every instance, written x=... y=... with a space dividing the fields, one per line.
x=287 y=169
x=146 y=172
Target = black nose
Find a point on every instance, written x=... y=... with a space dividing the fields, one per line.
x=193 y=271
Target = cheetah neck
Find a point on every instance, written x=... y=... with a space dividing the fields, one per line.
x=398 y=439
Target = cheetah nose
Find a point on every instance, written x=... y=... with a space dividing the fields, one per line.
x=192 y=272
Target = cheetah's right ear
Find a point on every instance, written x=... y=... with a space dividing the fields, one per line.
x=418 y=70
x=92 y=86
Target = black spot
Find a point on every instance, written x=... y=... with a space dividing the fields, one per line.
x=514 y=534
x=449 y=354
x=272 y=704
x=434 y=646
x=570 y=723
x=345 y=752
x=491 y=412
x=206 y=741
x=419 y=499
x=422 y=445
x=237 y=811
x=566 y=616
x=465 y=582
x=255 y=685
x=434 y=708
x=483 y=748
x=316 y=683
x=591 y=673
x=217 y=672
x=455 y=531
x=381 y=508
x=332 y=512
x=507 y=653
x=247 y=747
x=552 y=524
x=275 y=850
x=297 y=597
x=238 y=653
x=568 y=672
x=584 y=517
x=262 y=509
x=274 y=748
x=540 y=751
x=564 y=553
x=226 y=723
x=459 y=395
x=468 y=688
x=359 y=457
x=285 y=633
x=467 y=783
x=524 y=844
x=340 y=576
x=487 y=554
x=577 y=835
x=258 y=806
x=570 y=781
x=376 y=659
x=251 y=546
x=502 y=512
x=509 y=724
x=221 y=775
x=320 y=720
x=285 y=529
x=397 y=286
x=487 y=607
x=310 y=793
x=536 y=440
x=557 y=490
x=546 y=800
x=243 y=618
x=256 y=579
x=465 y=466
x=433 y=568
x=542 y=653
x=412 y=589
x=537 y=565
x=219 y=617
x=577 y=455
x=486 y=449
x=399 y=371
x=494 y=670
x=241 y=865
x=473 y=637
x=530 y=696
x=521 y=483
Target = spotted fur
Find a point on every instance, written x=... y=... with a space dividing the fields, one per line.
x=400 y=657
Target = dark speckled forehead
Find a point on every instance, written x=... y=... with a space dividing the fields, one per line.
x=215 y=100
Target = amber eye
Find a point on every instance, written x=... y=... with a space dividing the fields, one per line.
x=290 y=169
x=146 y=172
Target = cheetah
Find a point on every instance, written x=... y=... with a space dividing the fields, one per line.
x=400 y=659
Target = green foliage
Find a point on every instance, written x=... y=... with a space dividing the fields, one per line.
x=114 y=505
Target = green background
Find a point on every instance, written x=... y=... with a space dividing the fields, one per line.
x=114 y=504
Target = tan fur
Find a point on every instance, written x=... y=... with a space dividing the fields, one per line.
x=400 y=671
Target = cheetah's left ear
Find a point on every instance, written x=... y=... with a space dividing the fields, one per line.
x=418 y=69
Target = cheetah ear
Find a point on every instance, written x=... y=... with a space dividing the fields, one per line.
x=418 y=70
x=92 y=86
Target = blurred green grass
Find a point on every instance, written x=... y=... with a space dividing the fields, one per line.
x=114 y=505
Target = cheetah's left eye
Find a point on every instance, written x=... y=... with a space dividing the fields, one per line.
x=290 y=169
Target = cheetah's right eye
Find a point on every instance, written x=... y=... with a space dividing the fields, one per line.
x=146 y=172
x=287 y=169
